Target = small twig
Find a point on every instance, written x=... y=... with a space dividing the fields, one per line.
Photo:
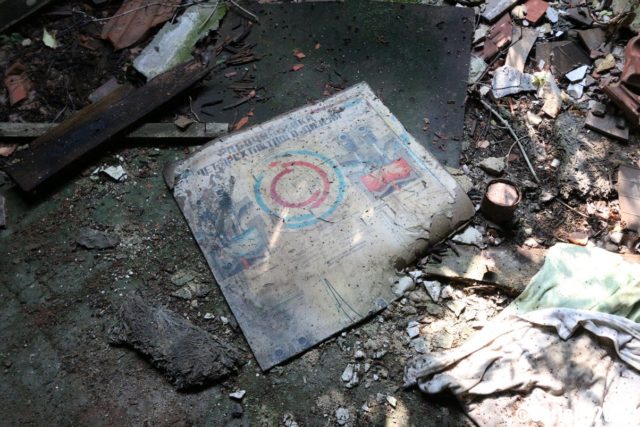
x=135 y=9
x=242 y=11
x=193 y=112
x=249 y=97
x=517 y=139
x=572 y=209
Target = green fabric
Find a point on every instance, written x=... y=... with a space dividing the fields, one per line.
x=583 y=278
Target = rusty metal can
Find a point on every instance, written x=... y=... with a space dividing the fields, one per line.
x=500 y=201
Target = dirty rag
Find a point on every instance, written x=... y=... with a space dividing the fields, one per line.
x=583 y=278
x=555 y=366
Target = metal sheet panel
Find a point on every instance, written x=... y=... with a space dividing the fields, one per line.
x=305 y=218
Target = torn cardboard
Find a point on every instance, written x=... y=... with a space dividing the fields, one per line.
x=305 y=219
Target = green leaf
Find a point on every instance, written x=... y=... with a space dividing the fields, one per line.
x=49 y=40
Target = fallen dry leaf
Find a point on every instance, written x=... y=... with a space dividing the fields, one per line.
x=240 y=123
x=483 y=144
x=17 y=83
x=299 y=54
x=297 y=67
x=7 y=150
x=317 y=46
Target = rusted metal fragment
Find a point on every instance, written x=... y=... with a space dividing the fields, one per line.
x=134 y=19
x=305 y=218
x=196 y=132
x=626 y=100
x=499 y=35
x=98 y=122
x=631 y=72
x=13 y=11
x=609 y=125
x=512 y=267
x=629 y=196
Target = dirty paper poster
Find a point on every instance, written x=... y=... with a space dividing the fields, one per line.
x=304 y=219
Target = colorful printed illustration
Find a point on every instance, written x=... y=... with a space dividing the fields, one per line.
x=301 y=187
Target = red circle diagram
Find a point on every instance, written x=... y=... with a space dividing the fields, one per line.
x=318 y=196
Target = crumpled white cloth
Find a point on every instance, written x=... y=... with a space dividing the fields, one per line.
x=550 y=367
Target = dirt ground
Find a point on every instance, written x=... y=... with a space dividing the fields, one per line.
x=58 y=299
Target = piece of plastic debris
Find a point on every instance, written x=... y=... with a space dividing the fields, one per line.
x=116 y=173
x=493 y=165
x=552 y=15
x=238 y=394
x=134 y=19
x=470 y=236
x=577 y=74
x=404 y=284
x=17 y=83
x=49 y=40
x=508 y=81
x=433 y=288
x=175 y=41
x=96 y=239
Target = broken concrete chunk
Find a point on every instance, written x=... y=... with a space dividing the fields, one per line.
x=597 y=108
x=192 y=290
x=403 y=285
x=182 y=277
x=533 y=118
x=493 y=165
x=433 y=288
x=470 y=236
x=392 y=401
x=550 y=92
x=175 y=41
x=186 y=354
x=182 y=122
x=480 y=33
x=477 y=67
x=508 y=81
x=342 y=416
x=96 y=239
x=575 y=90
x=348 y=372
x=604 y=64
x=238 y=394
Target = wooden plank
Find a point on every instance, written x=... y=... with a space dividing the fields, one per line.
x=98 y=122
x=196 y=132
